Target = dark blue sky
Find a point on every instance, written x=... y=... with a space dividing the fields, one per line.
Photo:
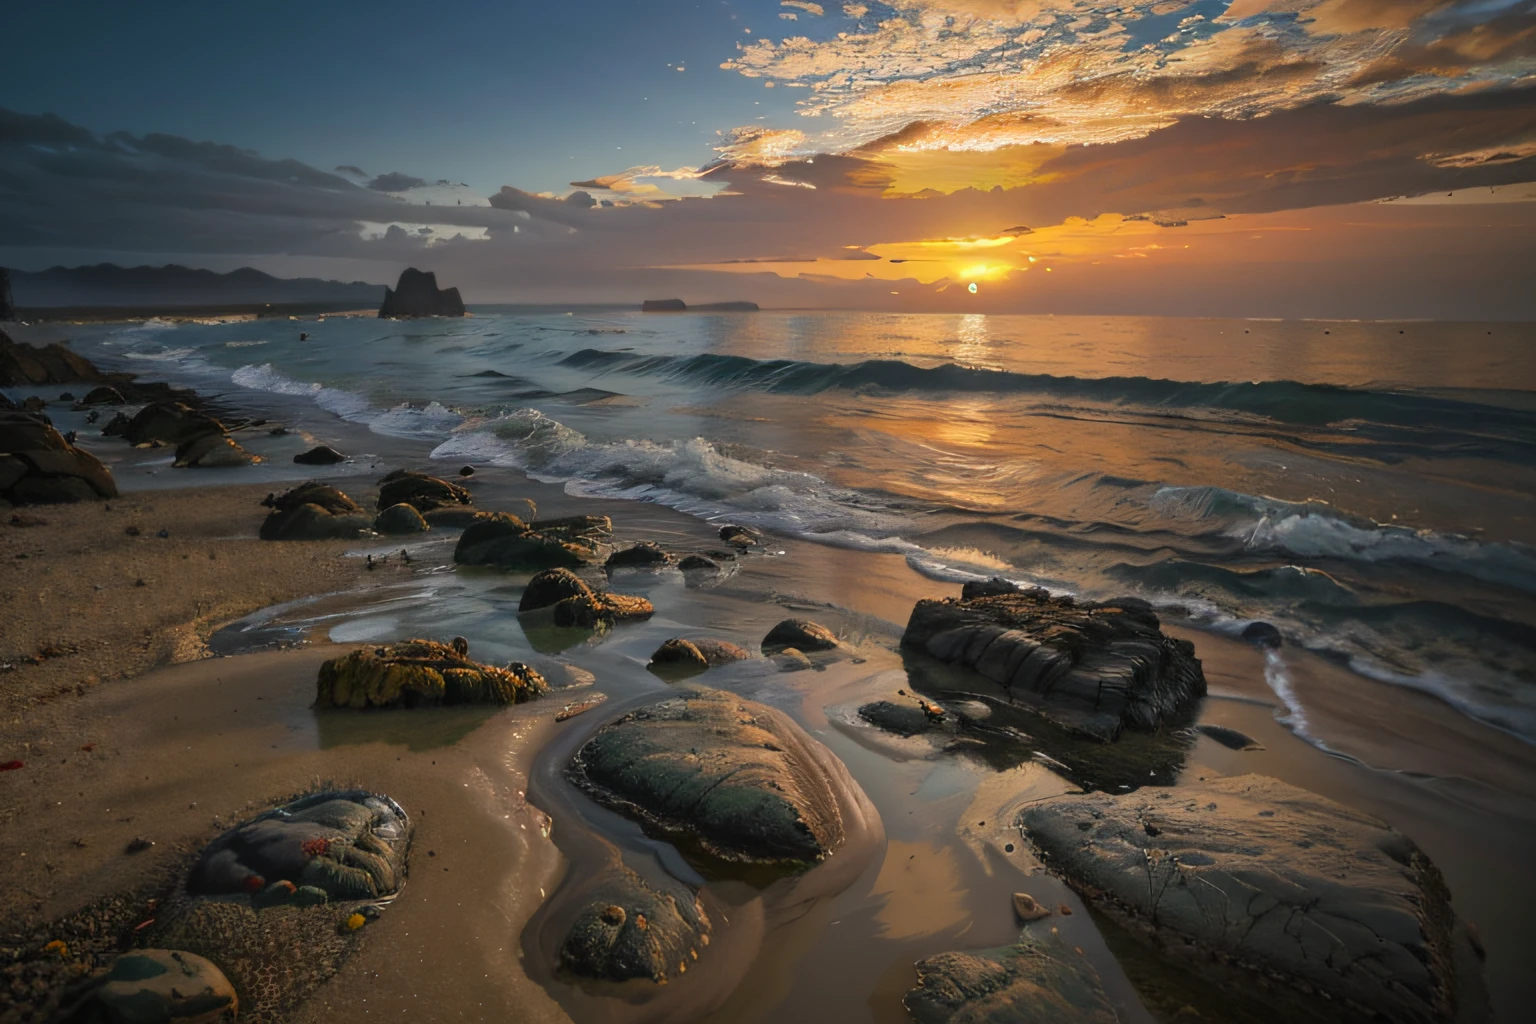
x=487 y=93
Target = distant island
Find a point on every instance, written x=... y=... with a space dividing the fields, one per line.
x=679 y=306
x=107 y=285
x=417 y=294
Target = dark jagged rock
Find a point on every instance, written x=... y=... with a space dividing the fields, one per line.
x=1034 y=982
x=38 y=466
x=801 y=634
x=321 y=455
x=7 y=304
x=314 y=511
x=22 y=365
x=417 y=673
x=417 y=294
x=503 y=540
x=589 y=531
x=692 y=563
x=169 y=423
x=1264 y=635
x=1260 y=886
x=155 y=985
x=103 y=395
x=1229 y=738
x=400 y=519
x=740 y=536
x=678 y=657
x=550 y=587
x=738 y=778
x=6 y=405
x=211 y=450
x=350 y=844
x=33 y=404
x=422 y=491
x=1093 y=668
x=645 y=555
x=632 y=930
x=663 y=306
x=903 y=719
x=993 y=587
x=599 y=608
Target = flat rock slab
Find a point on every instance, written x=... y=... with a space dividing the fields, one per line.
x=740 y=779
x=631 y=929
x=1254 y=881
x=1034 y=982
x=1093 y=668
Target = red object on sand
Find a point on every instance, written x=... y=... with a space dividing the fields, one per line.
x=315 y=847
x=11 y=766
x=253 y=883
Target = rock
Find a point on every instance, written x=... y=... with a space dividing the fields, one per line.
x=1026 y=908
x=501 y=539
x=152 y=985
x=645 y=555
x=792 y=660
x=321 y=455
x=588 y=531
x=466 y=471
x=1034 y=982
x=421 y=491
x=7 y=304
x=632 y=930
x=116 y=426
x=1258 y=884
x=1092 y=668
x=349 y=844
x=103 y=395
x=38 y=466
x=1230 y=738
x=1263 y=635
x=450 y=518
x=23 y=365
x=400 y=519
x=993 y=587
x=169 y=423
x=739 y=778
x=678 y=657
x=902 y=719
x=66 y=397
x=417 y=294
x=314 y=511
x=690 y=563
x=6 y=405
x=801 y=634
x=550 y=587
x=601 y=607
x=32 y=403
x=418 y=673
x=740 y=536
x=663 y=306
x=211 y=451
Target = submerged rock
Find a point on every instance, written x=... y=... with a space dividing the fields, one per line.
x=632 y=930
x=677 y=657
x=351 y=845
x=740 y=536
x=801 y=634
x=645 y=555
x=1229 y=738
x=314 y=511
x=39 y=466
x=421 y=491
x=691 y=563
x=416 y=673
x=146 y=986
x=417 y=294
x=903 y=719
x=738 y=778
x=1092 y=668
x=1255 y=883
x=550 y=587
x=455 y=518
x=320 y=455
x=400 y=519
x=1034 y=982
x=1263 y=635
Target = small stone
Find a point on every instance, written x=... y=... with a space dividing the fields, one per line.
x=466 y=471
x=355 y=922
x=138 y=844
x=1027 y=907
x=321 y=455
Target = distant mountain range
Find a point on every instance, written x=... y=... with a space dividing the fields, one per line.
x=107 y=284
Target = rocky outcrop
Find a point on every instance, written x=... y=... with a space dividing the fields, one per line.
x=22 y=365
x=801 y=635
x=38 y=466
x=678 y=658
x=349 y=845
x=738 y=779
x=503 y=540
x=1034 y=982
x=156 y=985
x=1092 y=668
x=417 y=673
x=421 y=491
x=663 y=306
x=1262 y=886
x=399 y=520
x=417 y=294
x=633 y=930
x=314 y=511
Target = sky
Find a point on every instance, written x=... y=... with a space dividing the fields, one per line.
x=1370 y=158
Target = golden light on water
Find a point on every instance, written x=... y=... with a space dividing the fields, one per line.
x=971 y=287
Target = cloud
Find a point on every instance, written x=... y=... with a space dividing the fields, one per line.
x=351 y=171
x=394 y=181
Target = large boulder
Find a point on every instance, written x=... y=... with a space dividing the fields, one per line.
x=645 y=555
x=103 y=395
x=1092 y=668
x=314 y=511
x=417 y=294
x=550 y=587
x=1266 y=888
x=501 y=539
x=1034 y=982
x=399 y=520
x=154 y=985
x=679 y=657
x=38 y=466
x=800 y=634
x=320 y=455
x=423 y=492
x=350 y=845
x=739 y=779
x=22 y=365
x=416 y=673
x=170 y=423
x=212 y=451
x=633 y=930
x=601 y=608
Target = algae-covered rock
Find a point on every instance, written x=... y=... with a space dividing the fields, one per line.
x=454 y=517
x=679 y=657
x=421 y=491
x=645 y=555
x=148 y=986
x=601 y=607
x=1093 y=668
x=350 y=845
x=550 y=587
x=401 y=519
x=503 y=540
x=633 y=930
x=314 y=511
x=417 y=673
x=740 y=779
x=801 y=634
x=1034 y=982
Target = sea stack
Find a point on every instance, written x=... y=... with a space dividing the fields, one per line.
x=417 y=294
x=663 y=306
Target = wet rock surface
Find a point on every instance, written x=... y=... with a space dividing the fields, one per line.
x=152 y=985
x=421 y=491
x=321 y=455
x=736 y=779
x=503 y=540
x=38 y=466
x=211 y=451
x=645 y=555
x=601 y=608
x=550 y=587
x=314 y=511
x=22 y=364
x=1037 y=981
x=421 y=673
x=1094 y=668
x=631 y=929
x=1254 y=883
x=398 y=520
x=680 y=657
x=801 y=634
